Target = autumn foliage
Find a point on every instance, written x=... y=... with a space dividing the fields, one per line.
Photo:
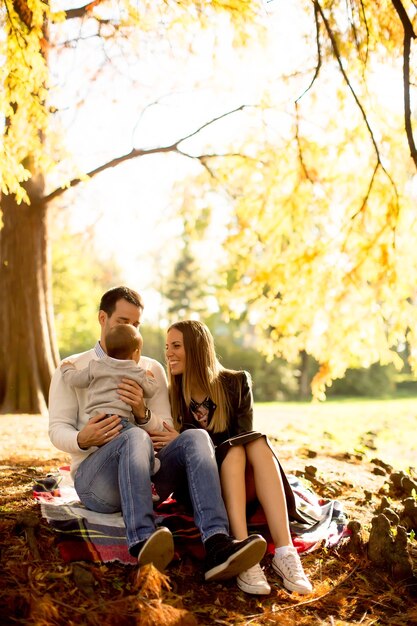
x=318 y=174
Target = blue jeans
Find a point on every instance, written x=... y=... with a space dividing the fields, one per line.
x=117 y=477
x=189 y=460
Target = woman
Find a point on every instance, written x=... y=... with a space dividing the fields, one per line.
x=205 y=395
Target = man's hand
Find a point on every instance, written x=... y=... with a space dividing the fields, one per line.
x=132 y=393
x=99 y=430
x=162 y=438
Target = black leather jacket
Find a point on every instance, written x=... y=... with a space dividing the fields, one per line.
x=238 y=386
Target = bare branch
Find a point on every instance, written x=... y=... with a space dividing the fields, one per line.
x=367 y=194
x=361 y=208
x=353 y=92
x=351 y=18
x=345 y=76
x=367 y=30
x=108 y=165
x=405 y=20
x=408 y=35
x=79 y=12
x=319 y=59
x=407 y=103
x=135 y=153
x=215 y=119
x=300 y=150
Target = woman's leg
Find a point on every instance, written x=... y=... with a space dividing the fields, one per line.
x=269 y=490
x=190 y=460
x=232 y=477
x=238 y=488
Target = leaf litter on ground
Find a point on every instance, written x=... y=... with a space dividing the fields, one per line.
x=37 y=588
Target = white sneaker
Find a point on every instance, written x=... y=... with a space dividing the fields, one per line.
x=291 y=571
x=253 y=580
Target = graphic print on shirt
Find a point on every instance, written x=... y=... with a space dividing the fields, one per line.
x=202 y=411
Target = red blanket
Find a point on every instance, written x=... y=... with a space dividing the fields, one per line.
x=89 y=536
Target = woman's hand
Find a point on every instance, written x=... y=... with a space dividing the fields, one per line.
x=162 y=438
x=99 y=430
x=132 y=393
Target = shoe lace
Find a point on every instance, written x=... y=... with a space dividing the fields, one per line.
x=254 y=574
x=291 y=562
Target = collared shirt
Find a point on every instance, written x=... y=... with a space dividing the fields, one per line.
x=99 y=350
x=67 y=415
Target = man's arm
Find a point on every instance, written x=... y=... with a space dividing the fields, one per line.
x=66 y=414
x=159 y=403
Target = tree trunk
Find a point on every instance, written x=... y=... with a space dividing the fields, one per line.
x=28 y=348
x=304 y=380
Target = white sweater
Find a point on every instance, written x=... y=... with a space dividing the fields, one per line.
x=67 y=415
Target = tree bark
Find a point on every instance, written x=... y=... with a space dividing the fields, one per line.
x=304 y=390
x=28 y=347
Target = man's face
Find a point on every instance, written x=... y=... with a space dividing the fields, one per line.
x=124 y=313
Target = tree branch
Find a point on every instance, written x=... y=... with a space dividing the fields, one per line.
x=351 y=18
x=135 y=153
x=367 y=30
x=405 y=20
x=109 y=164
x=407 y=103
x=300 y=149
x=345 y=76
x=409 y=34
x=319 y=59
x=79 y=12
x=353 y=92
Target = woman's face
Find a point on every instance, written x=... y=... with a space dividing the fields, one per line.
x=175 y=352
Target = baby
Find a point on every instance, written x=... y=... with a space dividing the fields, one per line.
x=102 y=377
x=123 y=345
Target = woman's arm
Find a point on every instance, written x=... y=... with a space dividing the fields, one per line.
x=241 y=417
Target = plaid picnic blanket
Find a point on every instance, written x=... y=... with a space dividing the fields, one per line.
x=85 y=535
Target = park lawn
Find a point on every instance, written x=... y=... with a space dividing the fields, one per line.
x=374 y=428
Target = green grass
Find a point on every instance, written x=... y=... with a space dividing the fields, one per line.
x=343 y=425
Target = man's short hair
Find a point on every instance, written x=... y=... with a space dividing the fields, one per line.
x=122 y=340
x=111 y=297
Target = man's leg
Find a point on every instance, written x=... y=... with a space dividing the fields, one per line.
x=190 y=459
x=117 y=477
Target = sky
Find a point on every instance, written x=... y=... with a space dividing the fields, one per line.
x=152 y=101
x=131 y=208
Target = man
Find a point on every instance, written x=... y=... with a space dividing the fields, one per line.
x=112 y=467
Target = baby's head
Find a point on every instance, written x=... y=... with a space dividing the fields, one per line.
x=124 y=342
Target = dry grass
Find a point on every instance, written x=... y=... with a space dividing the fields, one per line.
x=39 y=589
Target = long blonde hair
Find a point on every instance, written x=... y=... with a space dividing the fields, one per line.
x=202 y=370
